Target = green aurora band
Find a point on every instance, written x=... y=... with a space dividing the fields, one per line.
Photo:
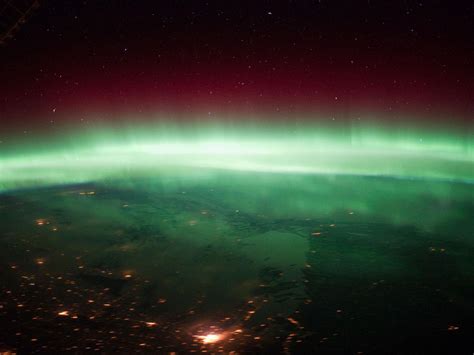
x=110 y=153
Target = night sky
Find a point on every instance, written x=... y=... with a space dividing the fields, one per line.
x=277 y=59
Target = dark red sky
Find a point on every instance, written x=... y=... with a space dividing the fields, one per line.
x=75 y=58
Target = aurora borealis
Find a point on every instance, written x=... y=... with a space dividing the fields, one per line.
x=291 y=87
x=305 y=149
x=239 y=177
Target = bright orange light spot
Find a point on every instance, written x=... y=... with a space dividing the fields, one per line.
x=63 y=313
x=210 y=338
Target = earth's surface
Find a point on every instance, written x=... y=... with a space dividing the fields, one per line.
x=242 y=262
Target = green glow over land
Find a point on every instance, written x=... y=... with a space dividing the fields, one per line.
x=110 y=154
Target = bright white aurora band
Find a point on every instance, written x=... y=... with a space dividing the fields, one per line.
x=147 y=152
